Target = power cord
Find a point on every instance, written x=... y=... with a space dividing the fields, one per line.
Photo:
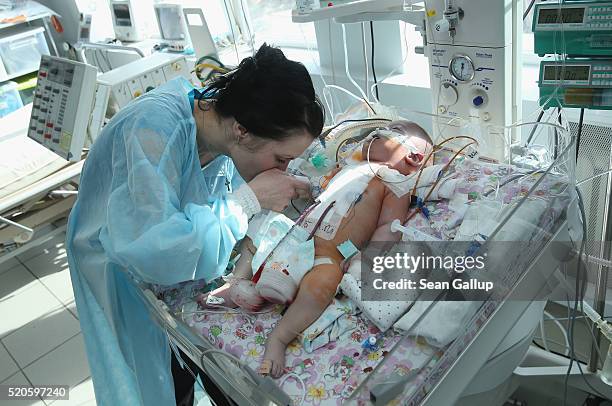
x=580 y=122
x=373 y=68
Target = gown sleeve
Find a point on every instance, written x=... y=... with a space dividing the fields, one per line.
x=148 y=230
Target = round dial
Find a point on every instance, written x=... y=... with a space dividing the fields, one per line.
x=462 y=68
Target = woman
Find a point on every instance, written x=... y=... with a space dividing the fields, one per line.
x=163 y=199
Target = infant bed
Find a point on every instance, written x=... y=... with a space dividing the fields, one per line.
x=411 y=364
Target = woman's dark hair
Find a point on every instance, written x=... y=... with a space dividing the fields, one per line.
x=269 y=95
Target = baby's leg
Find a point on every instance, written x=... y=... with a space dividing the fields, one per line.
x=318 y=287
x=316 y=292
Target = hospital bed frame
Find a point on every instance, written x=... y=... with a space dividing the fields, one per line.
x=491 y=341
x=32 y=227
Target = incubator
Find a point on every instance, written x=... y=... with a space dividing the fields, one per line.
x=448 y=346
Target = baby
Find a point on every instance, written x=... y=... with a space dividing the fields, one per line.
x=368 y=219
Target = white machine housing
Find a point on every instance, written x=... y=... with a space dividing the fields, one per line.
x=488 y=92
x=172 y=26
x=118 y=87
x=62 y=102
x=133 y=20
x=201 y=39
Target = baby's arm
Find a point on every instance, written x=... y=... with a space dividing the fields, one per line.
x=393 y=208
x=243 y=266
x=242 y=270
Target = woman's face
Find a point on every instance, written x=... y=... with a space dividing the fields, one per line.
x=253 y=155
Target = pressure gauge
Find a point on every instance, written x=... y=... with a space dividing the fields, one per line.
x=462 y=68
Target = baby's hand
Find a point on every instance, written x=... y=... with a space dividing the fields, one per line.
x=216 y=298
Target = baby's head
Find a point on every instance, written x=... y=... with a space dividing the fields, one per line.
x=404 y=147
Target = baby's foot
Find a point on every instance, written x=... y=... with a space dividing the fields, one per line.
x=274 y=357
x=216 y=298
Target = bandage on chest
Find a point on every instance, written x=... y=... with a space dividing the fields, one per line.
x=344 y=189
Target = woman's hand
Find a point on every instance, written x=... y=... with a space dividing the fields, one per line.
x=275 y=189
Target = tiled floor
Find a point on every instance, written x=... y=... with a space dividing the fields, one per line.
x=40 y=337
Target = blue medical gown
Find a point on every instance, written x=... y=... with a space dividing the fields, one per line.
x=146 y=211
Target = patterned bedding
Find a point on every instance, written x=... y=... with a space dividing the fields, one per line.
x=332 y=373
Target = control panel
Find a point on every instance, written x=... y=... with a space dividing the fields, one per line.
x=62 y=104
x=118 y=87
x=580 y=83
x=471 y=83
x=575 y=28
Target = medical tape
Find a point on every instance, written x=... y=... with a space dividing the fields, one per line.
x=323 y=261
x=348 y=249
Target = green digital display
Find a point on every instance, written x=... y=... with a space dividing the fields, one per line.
x=565 y=15
x=568 y=72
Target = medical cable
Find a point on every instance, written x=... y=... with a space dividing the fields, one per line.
x=566 y=348
x=297 y=378
x=185 y=366
x=220 y=309
x=520 y=203
x=533 y=130
x=431 y=34
x=593 y=177
x=580 y=122
x=435 y=149
x=293 y=205
x=311 y=52
x=343 y=143
x=320 y=220
x=346 y=65
x=373 y=67
x=365 y=58
x=563 y=330
x=230 y=21
x=353 y=95
x=351 y=120
x=376 y=172
x=543 y=334
x=248 y=27
x=574 y=309
x=375 y=85
x=526 y=13
x=210 y=58
x=419 y=208
x=442 y=171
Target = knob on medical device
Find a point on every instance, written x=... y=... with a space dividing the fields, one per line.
x=479 y=99
x=448 y=94
x=442 y=25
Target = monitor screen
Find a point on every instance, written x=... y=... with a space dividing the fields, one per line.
x=169 y=20
x=567 y=15
x=569 y=72
x=122 y=15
